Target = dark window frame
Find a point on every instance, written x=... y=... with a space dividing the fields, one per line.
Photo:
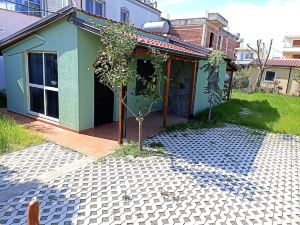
x=47 y=86
x=267 y=74
x=139 y=85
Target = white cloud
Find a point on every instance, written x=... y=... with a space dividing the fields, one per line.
x=268 y=21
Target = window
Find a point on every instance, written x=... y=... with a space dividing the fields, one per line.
x=124 y=15
x=211 y=40
x=296 y=56
x=43 y=85
x=29 y=7
x=220 y=40
x=296 y=43
x=95 y=7
x=145 y=69
x=249 y=56
x=270 y=75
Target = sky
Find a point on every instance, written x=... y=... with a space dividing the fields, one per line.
x=253 y=19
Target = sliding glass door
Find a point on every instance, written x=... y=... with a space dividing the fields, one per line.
x=43 y=85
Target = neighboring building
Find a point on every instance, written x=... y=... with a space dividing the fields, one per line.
x=48 y=77
x=291 y=48
x=280 y=70
x=244 y=56
x=136 y=12
x=11 y=22
x=207 y=32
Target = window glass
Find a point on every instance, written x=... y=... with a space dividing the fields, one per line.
x=99 y=8
x=36 y=100
x=89 y=6
x=211 y=40
x=124 y=16
x=270 y=75
x=35 y=67
x=51 y=70
x=52 y=104
x=145 y=69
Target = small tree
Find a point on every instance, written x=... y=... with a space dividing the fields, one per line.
x=112 y=66
x=262 y=58
x=213 y=90
x=297 y=79
x=241 y=78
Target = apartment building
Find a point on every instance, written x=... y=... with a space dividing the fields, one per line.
x=208 y=32
x=291 y=48
x=136 y=12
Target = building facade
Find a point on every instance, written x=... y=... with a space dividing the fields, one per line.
x=26 y=12
x=280 y=74
x=135 y=12
x=207 y=32
x=9 y=26
x=291 y=48
x=48 y=76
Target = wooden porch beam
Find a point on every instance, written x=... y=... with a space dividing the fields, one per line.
x=192 y=97
x=167 y=90
x=230 y=85
x=121 y=131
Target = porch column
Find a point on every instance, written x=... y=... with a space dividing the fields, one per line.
x=192 y=98
x=167 y=89
x=121 y=131
x=230 y=85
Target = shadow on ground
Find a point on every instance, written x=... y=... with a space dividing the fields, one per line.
x=223 y=157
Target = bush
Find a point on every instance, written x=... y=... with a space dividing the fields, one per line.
x=2 y=99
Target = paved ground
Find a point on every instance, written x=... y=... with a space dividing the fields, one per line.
x=229 y=175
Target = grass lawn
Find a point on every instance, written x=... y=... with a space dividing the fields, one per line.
x=276 y=113
x=14 y=137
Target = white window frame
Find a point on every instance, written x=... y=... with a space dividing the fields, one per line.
x=94 y=7
x=269 y=81
x=124 y=9
x=44 y=87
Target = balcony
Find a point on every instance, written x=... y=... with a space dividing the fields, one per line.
x=291 y=49
x=216 y=18
x=151 y=3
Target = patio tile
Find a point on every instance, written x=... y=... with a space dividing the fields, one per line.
x=229 y=175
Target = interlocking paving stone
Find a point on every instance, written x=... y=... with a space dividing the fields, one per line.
x=229 y=175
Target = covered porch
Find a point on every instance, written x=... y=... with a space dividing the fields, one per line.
x=97 y=142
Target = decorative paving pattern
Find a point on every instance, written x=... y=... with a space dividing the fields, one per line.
x=229 y=175
x=26 y=165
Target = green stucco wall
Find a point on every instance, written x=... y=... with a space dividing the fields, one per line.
x=201 y=99
x=60 y=38
x=88 y=46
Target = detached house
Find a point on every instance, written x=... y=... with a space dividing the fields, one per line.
x=50 y=76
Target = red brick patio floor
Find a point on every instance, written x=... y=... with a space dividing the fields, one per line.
x=98 y=142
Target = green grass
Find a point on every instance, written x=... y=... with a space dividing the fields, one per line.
x=14 y=137
x=272 y=112
x=132 y=149
x=194 y=125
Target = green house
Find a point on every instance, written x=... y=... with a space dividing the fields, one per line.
x=49 y=73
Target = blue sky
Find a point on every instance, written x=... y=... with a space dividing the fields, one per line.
x=253 y=19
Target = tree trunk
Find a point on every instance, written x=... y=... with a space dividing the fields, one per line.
x=209 y=113
x=140 y=121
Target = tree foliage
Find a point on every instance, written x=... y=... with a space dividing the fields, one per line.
x=112 y=67
x=213 y=68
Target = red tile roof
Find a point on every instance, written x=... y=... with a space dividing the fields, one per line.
x=284 y=62
x=167 y=46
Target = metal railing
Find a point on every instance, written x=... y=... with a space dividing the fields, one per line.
x=151 y=3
